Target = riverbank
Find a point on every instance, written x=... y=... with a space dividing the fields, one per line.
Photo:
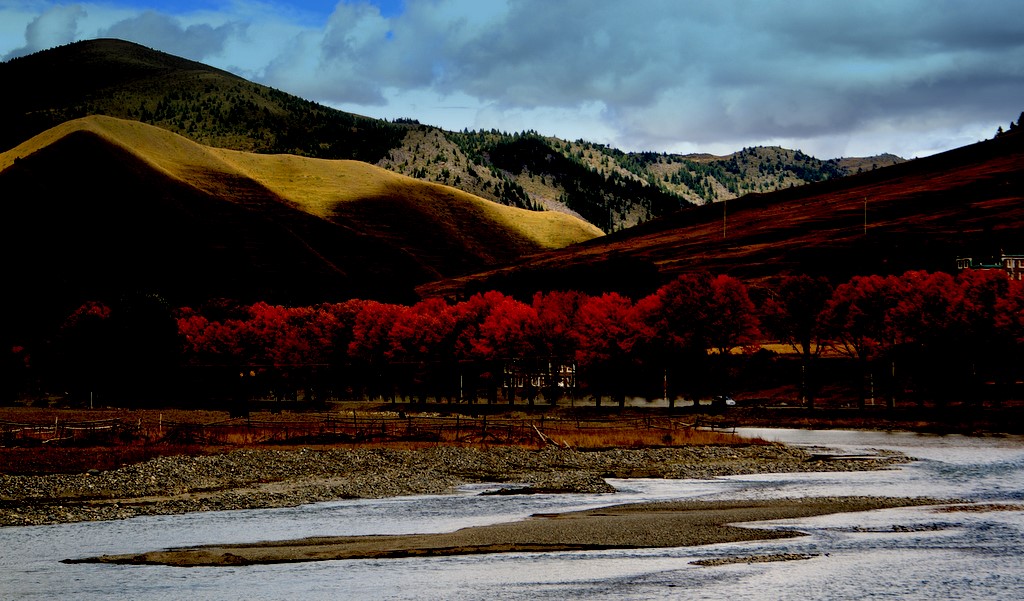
x=647 y=525
x=269 y=478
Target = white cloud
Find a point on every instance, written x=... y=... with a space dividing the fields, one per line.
x=52 y=27
x=169 y=34
x=827 y=77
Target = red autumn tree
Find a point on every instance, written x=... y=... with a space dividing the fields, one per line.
x=856 y=320
x=679 y=314
x=421 y=340
x=425 y=331
x=676 y=320
x=371 y=331
x=370 y=344
x=504 y=336
x=557 y=317
x=985 y=349
x=607 y=332
x=856 y=315
x=1009 y=324
x=278 y=349
x=468 y=315
x=1009 y=313
x=924 y=312
x=734 y=321
x=330 y=327
x=921 y=326
x=213 y=343
x=980 y=293
x=555 y=336
x=483 y=366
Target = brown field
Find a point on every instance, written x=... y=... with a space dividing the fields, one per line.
x=35 y=440
x=50 y=440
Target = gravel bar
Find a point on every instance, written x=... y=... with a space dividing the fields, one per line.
x=268 y=478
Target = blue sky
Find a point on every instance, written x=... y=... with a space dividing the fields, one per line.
x=831 y=78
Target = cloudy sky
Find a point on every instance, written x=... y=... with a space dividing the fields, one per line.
x=831 y=78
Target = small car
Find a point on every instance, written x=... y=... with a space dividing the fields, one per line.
x=724 y=400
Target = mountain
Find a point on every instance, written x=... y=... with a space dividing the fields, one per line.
x=919 y=214
x=276 y=227
x=99 y=207
x=609 y=188
x=207 y=105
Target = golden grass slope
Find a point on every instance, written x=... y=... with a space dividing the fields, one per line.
x=325 y=188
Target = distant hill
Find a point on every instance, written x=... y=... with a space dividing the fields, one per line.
x=207 y=105
x=918 y=214
x=98 y=207
x=609 y=188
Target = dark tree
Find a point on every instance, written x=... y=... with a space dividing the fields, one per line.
x=792 y=314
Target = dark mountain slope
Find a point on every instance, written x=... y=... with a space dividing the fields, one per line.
x=920 y=214
x=109 y=225
x=99 y=207
x=210 y=106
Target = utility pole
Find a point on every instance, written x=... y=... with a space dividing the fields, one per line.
x=865 y=215
x=724 y=206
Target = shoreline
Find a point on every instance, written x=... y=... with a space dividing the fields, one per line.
x=268 y=478
x=644 y=525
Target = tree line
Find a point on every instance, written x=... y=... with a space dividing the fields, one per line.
x=920 y=335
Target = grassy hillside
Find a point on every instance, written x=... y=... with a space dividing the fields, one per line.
x=329 y=188
x=919 y=214
x=98 y=207
x=610 y=188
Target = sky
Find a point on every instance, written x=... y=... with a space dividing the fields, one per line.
x=829 y=77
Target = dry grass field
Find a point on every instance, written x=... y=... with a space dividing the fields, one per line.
x=321 y=187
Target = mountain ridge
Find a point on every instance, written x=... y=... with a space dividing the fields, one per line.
x=611 y=189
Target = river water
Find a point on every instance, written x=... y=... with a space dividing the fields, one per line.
x=906 y=553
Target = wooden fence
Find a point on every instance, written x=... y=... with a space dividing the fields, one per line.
x=104 y=431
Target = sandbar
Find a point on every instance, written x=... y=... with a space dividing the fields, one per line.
x=642 y=525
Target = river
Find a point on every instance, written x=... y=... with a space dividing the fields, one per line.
x=906 y=553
